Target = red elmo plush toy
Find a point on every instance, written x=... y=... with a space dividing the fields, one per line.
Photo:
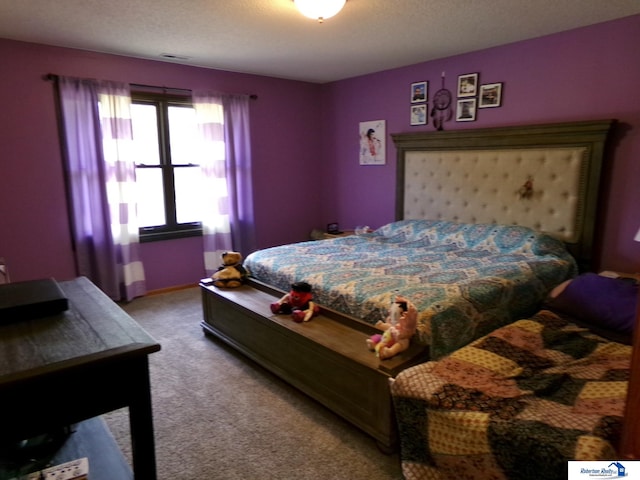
x=298 y=302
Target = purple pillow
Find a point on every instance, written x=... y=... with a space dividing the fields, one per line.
x=607 y=303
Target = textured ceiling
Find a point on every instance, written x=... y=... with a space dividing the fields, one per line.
x=269 y=37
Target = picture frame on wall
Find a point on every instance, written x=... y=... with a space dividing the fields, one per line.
x=372 y=142
x=490 y=95
x=419 y=114
x=466 y=110
x=468 y=85
x=419 y=92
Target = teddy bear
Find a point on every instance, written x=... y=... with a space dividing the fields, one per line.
x=231 y=274
x=298 y=302
x=398 y=328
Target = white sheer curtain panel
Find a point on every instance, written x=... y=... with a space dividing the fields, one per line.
x=117 y=144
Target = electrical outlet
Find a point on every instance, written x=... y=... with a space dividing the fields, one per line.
x=73 y=470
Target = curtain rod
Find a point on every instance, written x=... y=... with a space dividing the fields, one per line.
x=54 y=77
x=155 y=87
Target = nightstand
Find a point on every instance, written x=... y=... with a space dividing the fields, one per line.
x=612 y=274
x=317 y=234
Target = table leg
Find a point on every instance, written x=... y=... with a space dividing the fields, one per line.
x=141 y=424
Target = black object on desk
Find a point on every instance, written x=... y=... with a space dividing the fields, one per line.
x=31 y=299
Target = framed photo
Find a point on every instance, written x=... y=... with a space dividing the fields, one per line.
x=372 y=142
x=468 y=85
x=419 y=92
x=490 y=95
x=466 y=110
x=419 y=114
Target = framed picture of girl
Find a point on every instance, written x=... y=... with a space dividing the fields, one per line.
x=372 y=144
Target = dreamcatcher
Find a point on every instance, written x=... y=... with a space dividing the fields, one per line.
x=441 y=111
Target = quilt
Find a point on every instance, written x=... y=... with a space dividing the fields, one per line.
x=465 y=279
x=515 y=404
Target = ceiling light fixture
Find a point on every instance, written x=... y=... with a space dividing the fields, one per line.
x=319 y=9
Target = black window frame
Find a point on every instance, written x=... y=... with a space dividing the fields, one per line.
x=171 y=229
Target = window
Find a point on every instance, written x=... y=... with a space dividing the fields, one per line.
x=167 y=177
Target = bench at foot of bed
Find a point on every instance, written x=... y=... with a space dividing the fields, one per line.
x=326 y=358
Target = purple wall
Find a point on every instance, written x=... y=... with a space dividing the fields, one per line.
x=34 y=234
x=305 y=140
x=584 y=74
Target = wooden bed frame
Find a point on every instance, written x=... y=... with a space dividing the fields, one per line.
x=630 y=442
x=327 y=358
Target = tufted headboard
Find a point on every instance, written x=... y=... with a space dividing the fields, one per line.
x=545 y=177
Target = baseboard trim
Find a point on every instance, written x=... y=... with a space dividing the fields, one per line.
x=160 y=291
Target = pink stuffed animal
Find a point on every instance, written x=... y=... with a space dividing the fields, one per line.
x=398 y=328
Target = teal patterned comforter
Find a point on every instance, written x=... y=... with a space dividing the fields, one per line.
x=465 y=279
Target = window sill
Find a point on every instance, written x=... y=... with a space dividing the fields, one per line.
x=149 y=237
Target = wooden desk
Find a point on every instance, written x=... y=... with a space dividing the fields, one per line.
x=89 y=360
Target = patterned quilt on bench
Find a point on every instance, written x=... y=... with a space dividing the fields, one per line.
x=465 y=279
x=517 y=403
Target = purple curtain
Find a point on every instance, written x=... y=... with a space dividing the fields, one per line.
x=238 y=145
x=100 y=175
x=225 y=162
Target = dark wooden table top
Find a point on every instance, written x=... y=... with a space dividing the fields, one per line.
x=93 y=330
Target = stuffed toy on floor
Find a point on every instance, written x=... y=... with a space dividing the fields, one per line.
x=298 y=302
x=231 y=274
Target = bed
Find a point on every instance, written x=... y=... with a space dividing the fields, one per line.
x=465 y=279
x=525 y=195
x=527 y=398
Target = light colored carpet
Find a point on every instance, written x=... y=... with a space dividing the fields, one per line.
x=218 y=415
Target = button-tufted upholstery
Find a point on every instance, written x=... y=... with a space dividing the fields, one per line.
x=487 y=186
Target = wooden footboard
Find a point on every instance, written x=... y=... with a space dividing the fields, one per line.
x=326 y=358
